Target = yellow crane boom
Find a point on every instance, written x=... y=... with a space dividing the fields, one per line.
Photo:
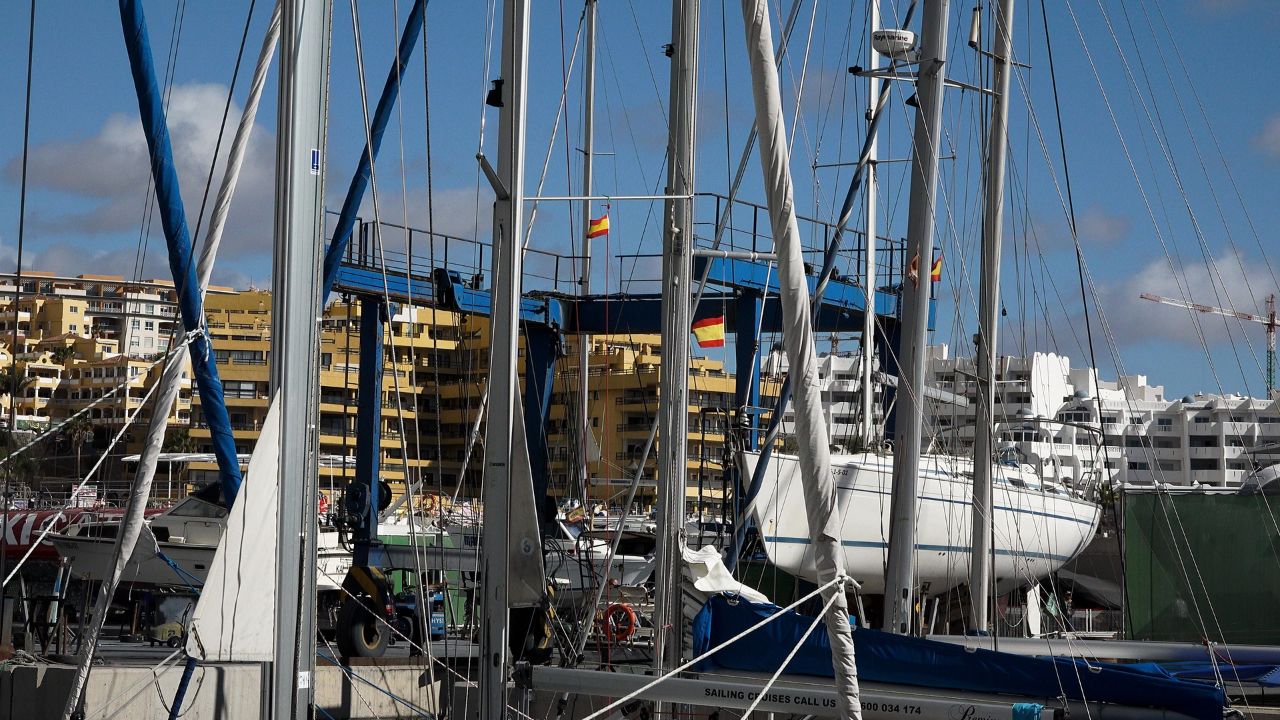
x=1268 y=320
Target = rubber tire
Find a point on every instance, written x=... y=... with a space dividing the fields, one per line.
x=174 y=641
x=359 y=631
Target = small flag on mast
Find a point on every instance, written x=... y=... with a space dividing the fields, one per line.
x=935 y=272
x=599 y=227
x=709 y=332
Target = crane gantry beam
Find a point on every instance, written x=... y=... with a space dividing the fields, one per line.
x=1268 y=321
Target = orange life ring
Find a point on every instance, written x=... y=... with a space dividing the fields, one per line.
x=620 y=622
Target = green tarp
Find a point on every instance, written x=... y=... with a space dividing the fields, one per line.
x=1203 y=565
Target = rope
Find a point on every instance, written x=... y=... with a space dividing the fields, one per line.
x=839 y=580
x=764 y=692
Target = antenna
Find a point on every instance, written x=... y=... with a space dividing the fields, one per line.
x=1268 y=321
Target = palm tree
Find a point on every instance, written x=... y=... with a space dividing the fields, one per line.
x=179 y=440
x=77 y=431
x=14 y=381
x=63 y=354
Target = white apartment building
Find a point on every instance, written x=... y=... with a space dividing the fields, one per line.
x=1068 y=422
x=1078 y=427
x=840 y=375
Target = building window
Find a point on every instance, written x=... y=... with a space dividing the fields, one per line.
x=150 y=325
x=1136 y=465
x=1164 y=422
x=135 y=324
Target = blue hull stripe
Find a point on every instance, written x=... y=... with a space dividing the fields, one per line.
x=969 y=503
x=927 y=548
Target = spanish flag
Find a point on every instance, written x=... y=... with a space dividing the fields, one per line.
x=599 y=227
x=935 y=272
x=709 y=332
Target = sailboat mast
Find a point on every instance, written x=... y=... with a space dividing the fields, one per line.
x=899 y=578
x=588 y=159
x=501 y=445
x=294 y=342
x=988 y=319
x=673 y=387
x=869 y=277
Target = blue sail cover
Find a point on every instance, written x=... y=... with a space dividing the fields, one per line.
x=902 y=660
x=174 y=220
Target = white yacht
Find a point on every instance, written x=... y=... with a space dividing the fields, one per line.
x=1039 y=525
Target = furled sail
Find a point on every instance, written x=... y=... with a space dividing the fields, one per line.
x=797 y=336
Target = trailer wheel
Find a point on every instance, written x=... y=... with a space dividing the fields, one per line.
x=361 y=633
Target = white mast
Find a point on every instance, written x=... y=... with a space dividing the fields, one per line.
x=820 y=502
x=503 y=445
x=588 y=134
x=900 y=575
x=673 y=388
x=988 y=317
x=299 y=237
x=869 y=279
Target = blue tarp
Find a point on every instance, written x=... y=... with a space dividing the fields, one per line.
x=1264 y=675
x=902 y=660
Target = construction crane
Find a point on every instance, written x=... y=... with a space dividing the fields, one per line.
x=1268 y=321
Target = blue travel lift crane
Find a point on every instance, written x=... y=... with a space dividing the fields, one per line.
x=749 y=297
x=749 y=303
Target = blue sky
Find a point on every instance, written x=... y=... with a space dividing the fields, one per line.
x=1186 y=81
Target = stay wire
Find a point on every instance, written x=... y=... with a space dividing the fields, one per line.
x=1084 y=295
x=17 y=296
x=222 y=126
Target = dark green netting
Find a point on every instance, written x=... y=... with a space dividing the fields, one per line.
x=1203 y=565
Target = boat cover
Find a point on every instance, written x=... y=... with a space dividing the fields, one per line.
x=1261 y=674
x=904 y=660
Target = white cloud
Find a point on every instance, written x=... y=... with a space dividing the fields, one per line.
x=1099 y=226
x=1229 y=281
x=109 y=170
x=1268 y=138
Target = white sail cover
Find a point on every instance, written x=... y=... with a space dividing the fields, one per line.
x=233 y=619
x=821 y=507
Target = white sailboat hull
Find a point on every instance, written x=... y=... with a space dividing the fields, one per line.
x=1036 y=530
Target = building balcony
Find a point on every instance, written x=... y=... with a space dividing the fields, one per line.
x=1242 y=429
x=1208 y=477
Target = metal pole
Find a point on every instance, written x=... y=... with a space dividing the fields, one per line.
x=588 y=135
x=506 y=264
x=673 y=388
x=869 y=238
x=980 y=560
x=299 y=238
x=900 y=575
